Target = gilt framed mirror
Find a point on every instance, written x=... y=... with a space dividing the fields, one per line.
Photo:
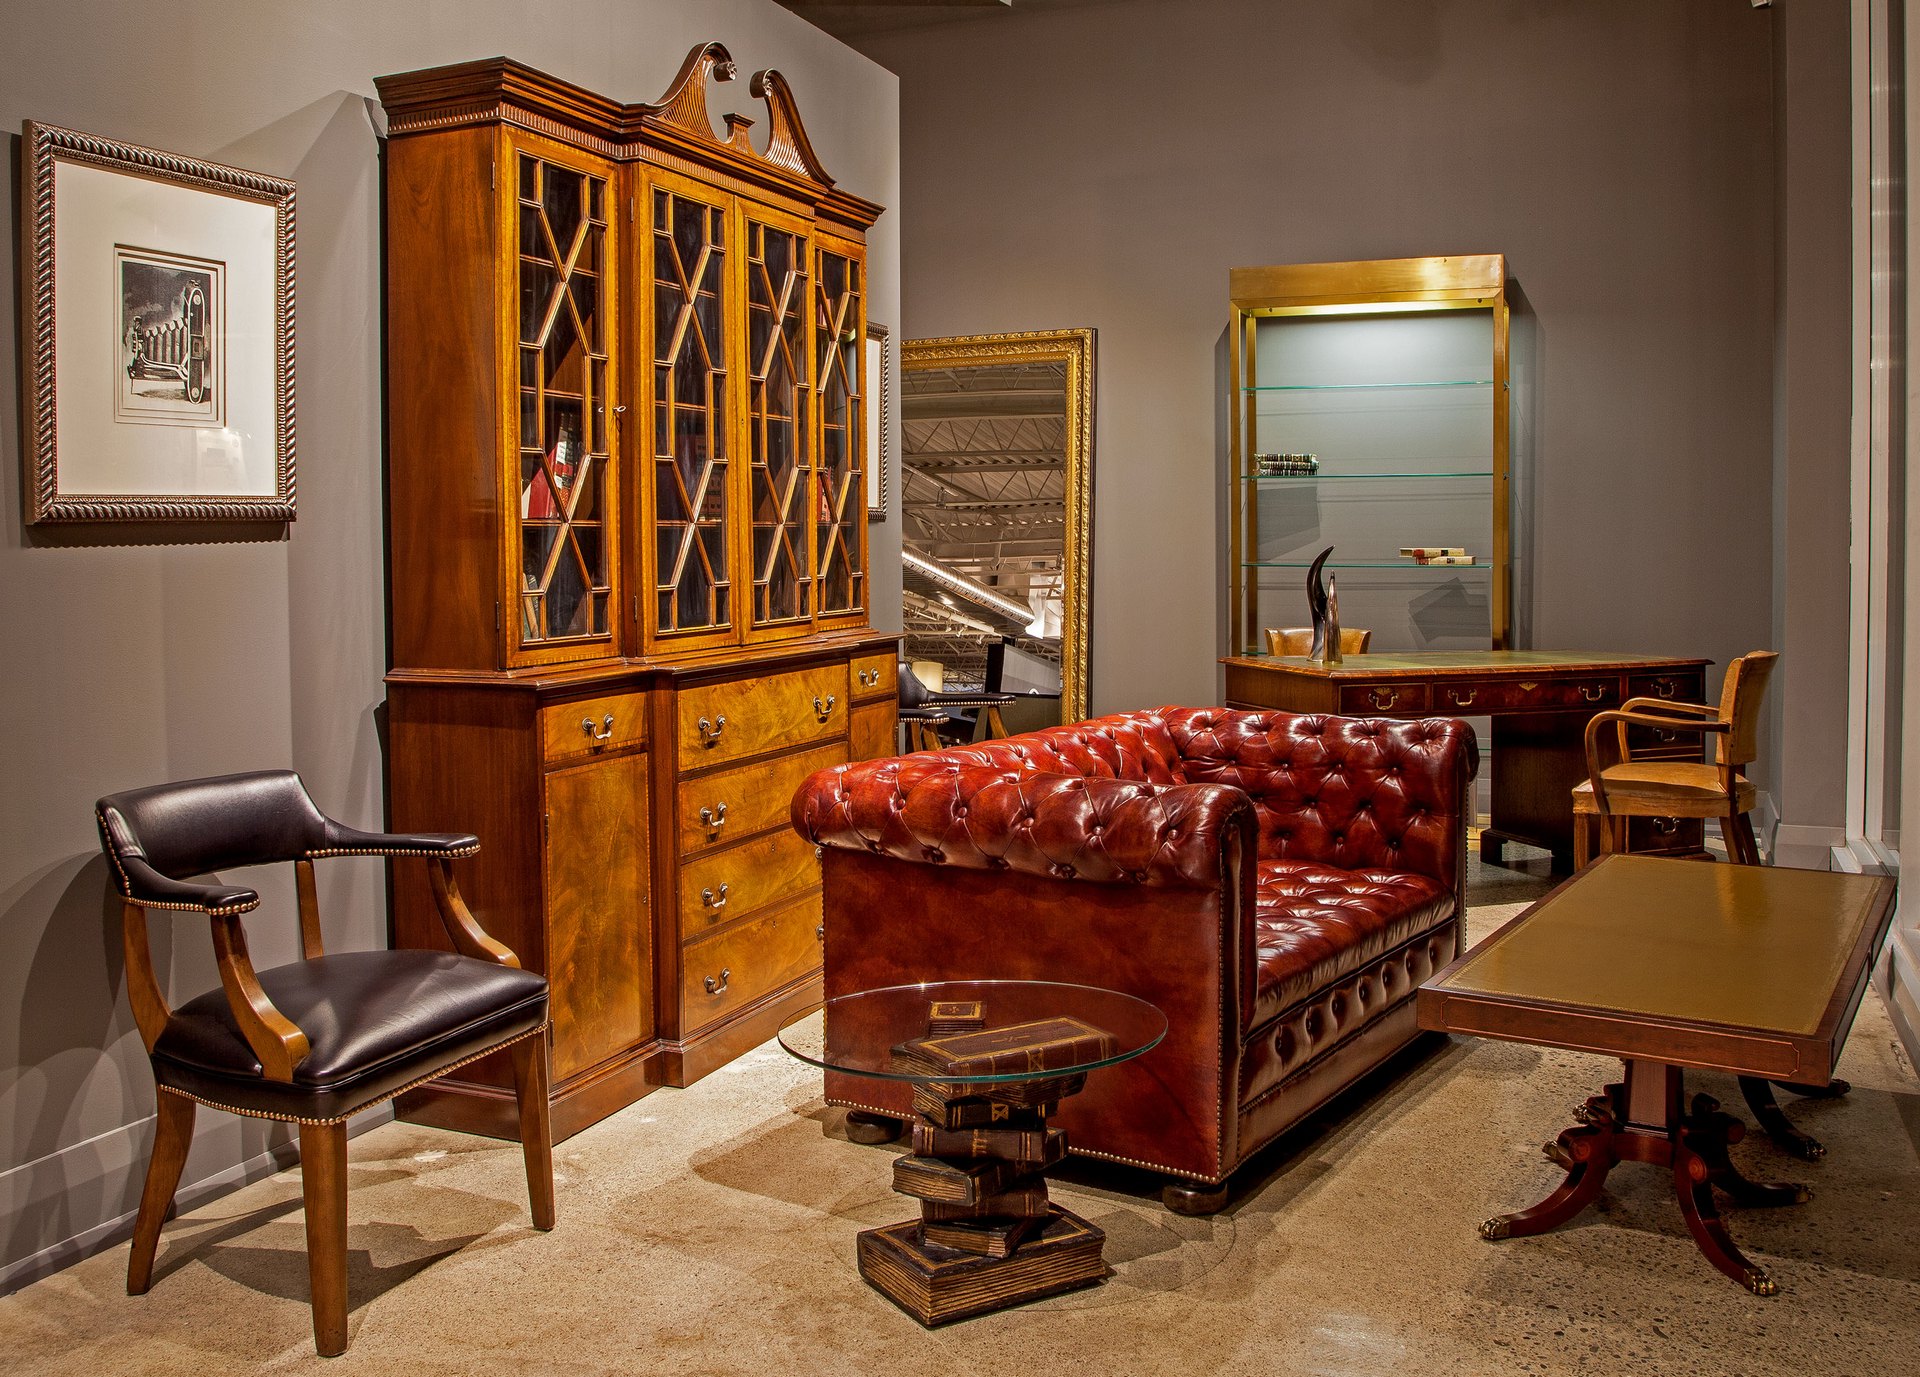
x=996 y=466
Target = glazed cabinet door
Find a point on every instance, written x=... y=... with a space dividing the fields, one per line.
x=840 y=502
x=561 y=531
x=779 y=302
x=599 y=924
x=688 y=544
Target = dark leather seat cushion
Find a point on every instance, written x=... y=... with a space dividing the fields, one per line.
x=375 y=1021
x=1314 y=924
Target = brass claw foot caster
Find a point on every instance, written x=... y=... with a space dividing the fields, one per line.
x=1760 y=1283
x=1494 y=1229
x=1557 y=1155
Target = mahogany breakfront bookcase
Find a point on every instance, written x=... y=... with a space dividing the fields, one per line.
x=627 y=529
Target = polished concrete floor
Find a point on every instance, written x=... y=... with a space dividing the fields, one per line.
x=711 y=1230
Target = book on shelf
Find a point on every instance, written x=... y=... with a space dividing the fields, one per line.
x=1286 y=465
x=1424 y=552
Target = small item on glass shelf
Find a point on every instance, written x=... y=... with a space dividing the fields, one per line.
x=1437 y=554
x=955 y=1016
x=1287 y=465
x=1047 y=1044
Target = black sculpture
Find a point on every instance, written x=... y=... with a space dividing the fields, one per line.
x=1323 y=602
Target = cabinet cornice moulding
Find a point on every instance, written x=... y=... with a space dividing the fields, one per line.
x=677 y=126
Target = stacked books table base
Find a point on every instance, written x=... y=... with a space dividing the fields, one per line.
x=985 y=1094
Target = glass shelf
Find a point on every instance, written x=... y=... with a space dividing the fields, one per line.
x=1364 y=387
x=1361 y=477
x=1406 y=564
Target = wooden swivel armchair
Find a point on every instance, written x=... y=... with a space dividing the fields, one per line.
x=318 y=1040
x=1298 y=640
x=1620 y=787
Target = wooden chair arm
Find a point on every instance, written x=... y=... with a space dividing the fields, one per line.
x=468 y=938
x=1668 y=705
x=274 y=1038
x=1620 y=719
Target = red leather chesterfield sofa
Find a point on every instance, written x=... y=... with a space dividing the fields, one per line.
x=1278 y=884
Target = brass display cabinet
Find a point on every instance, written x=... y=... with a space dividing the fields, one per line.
x=1371 y=410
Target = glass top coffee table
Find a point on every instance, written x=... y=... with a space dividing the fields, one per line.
x=990 y=1061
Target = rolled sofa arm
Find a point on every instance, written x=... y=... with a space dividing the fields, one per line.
x=1069 y=827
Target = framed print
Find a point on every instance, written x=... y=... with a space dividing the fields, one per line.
x=157 y=306
x=880 y=393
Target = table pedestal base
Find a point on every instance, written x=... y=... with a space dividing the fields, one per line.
x=935 y=1284
x=1642 y=1120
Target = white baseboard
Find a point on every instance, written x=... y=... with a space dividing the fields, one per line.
x=1806 y=847
x=109 y=1160
x=1897 y=977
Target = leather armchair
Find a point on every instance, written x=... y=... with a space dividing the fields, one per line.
x=315 y=1041
x=1278 y=884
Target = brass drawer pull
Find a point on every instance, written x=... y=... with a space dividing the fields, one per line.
x=1662 y=735
x=869 y=678
x=713 y=819
x=716 y=902
x=820 y=932
x=1383 y=697
x=1461 y=700
x=710 y=731
x=1593 y=693
x=600 y=735
x=823 y=710
x=719 y=986
x=1663 y=687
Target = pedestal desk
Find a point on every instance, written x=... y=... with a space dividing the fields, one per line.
x=1539 y=701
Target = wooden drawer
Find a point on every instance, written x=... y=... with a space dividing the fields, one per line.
x=737 y=965
x=1682 y=686
x=875 y=676
x=1472 y=696
x=730 y=884
x=738 y=803
x=592 y=726
x=873 y=731
x=1661 y=743
x=1365 y=700
x=744 y=717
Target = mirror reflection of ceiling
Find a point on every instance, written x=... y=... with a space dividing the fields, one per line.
x=983 y=507
x=851 y=22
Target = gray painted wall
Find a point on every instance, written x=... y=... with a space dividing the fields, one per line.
x=135 y=656
x=1105 y=164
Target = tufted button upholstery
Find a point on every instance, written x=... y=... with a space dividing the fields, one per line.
x=1314 y=924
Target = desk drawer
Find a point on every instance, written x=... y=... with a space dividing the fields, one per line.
x=592 y=726
x=1469 y=697
x=1681 y=686
x=730 y=884
x=738 y=803
x=875 y=676
x=737 y=965
x=743 y=717
x=1367 y=700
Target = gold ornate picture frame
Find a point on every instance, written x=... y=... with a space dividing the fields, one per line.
x=879 y=400
x=157 y=310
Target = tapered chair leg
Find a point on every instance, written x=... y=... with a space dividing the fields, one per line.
x=323 y=1184
x=1583 y=829
x=536 y=1125
x=172 y=1136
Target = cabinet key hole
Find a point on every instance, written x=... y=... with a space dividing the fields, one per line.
x=714 y=901
x=719 y=986
x=710 y=731
x=602 y=734
x=713 y=819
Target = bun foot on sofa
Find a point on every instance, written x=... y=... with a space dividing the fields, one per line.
x=1193 y=1197
x=872 y=1129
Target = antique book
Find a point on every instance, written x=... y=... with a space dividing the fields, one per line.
x=1037 y=1146
x=1024 y=1198
x=1046 y=1044
x=954 y=1183
x=1037 y=1095
x=937 y=1284
x=955 y=1016
x=1425 y=552
x=972 y=1111
x=992 y=1237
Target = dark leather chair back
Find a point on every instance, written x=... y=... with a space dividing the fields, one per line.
x=199 y=826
